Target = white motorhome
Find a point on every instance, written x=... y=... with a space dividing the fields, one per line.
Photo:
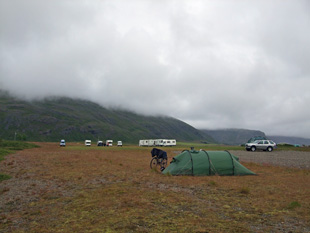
x=87 y=142
x=119 y=143
x=109 y=142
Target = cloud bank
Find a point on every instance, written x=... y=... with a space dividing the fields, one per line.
x=212 y=64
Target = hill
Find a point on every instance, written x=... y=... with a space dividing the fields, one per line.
x=52 y=119
x=232 y=136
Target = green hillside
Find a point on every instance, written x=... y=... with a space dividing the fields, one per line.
x=76 y=120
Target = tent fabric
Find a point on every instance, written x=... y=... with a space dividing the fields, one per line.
x=206 y=163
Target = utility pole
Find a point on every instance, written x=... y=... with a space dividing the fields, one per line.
x=15 y=136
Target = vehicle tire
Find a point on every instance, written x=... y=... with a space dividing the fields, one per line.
x=253 y=148
x=153 y=163
x=269 y=149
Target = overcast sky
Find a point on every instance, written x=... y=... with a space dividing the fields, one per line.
x=213 y=64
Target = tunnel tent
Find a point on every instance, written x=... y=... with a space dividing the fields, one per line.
x=206 y=163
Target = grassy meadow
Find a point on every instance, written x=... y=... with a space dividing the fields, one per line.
x=9 y=147
x=113 y=189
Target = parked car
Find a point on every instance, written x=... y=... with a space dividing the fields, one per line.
x=100 y=143
x=266 y=145
x=62 y=142
x=119 y=143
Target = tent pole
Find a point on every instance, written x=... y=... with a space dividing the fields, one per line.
x=209 y=161
x=232 y=160
x=191 y=161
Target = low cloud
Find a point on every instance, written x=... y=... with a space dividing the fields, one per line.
x=227 y=64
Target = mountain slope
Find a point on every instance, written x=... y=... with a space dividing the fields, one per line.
x=76 y=120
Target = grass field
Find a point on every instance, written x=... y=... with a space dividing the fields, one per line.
x=113 y=189
x=9 y=147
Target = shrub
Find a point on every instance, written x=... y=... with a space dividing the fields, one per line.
x=4 y=177
x=212 y=183
x=293 y=205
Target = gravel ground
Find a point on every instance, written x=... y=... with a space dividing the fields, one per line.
x=296 y=159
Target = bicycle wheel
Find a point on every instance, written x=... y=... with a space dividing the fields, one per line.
x=153 y=163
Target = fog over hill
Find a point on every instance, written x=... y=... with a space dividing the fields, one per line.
x=76 y=120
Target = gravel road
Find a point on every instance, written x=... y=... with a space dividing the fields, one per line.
x=296 y=159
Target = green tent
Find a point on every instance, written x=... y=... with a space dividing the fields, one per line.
x=206 y=163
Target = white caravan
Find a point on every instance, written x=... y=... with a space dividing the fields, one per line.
x=157 y=142
x=169 y=142
x=143 y=142
x=147 y=142
x=151 y=142
x=87 y=142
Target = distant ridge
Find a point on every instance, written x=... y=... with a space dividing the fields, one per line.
x=76 y=120
x=241 y=136
x=232 y=136
x=290 y=140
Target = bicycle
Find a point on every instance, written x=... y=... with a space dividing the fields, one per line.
x=158 y=162
x=159 y=159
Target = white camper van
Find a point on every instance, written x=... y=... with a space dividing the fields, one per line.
x=62 y=142
x=119 y=143
x=109 y=142
x=87 y=142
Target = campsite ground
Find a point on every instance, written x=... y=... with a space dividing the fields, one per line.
x=112 y=189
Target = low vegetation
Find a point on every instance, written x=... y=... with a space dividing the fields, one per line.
x=9 y=147
x=110 y=189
